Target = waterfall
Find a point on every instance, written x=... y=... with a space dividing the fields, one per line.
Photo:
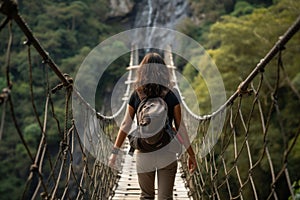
x=149 y=21
x=149 y=13
x=158 y=13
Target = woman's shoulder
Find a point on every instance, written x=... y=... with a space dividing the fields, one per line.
x=173 y=96
x=134 y=95
x=134 y=99
x=173 y=93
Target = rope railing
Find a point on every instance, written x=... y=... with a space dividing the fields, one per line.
x=230 y=169
x=246 y=148
x=72 y=172
x=10 y=8
x=128 y=90
x=242 y=88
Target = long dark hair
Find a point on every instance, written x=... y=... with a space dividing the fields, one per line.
x=153 y=76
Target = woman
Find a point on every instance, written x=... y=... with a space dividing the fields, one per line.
x=153 y=80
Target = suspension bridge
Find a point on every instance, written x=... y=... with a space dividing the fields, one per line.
x=228 y=171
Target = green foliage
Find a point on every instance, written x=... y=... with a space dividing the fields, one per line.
x=242 y=8
x=198 y=33
x=2 y=82
x=205 y=13
x=236 y=33
x=9 y=188
x=296 y=81
x=189 y=72
x=32 y=134
x=296 y=188
x=67 y=30
x=236 y=43
x=235 y=40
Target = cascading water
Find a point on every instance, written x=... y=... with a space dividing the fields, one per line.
x=149 y=13
x=149 y=21
x=158 y=13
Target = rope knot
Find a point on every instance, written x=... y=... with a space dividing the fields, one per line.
x=44 y=195
x=82 y=190
x=69 y=79
x=243 y=89
x=9 y=8
x=61 y=85
x=64 y=147
x=4 y=94
x=34 y=168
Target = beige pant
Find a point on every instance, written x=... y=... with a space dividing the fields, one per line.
x=164 y=163
x=165 y=178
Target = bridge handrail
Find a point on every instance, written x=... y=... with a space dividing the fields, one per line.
x=242 y=88
x=127 y=92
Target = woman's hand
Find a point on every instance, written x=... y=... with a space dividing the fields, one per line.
x=112 y=160
x=192 y=163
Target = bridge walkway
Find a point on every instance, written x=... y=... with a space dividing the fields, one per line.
x=128 y=188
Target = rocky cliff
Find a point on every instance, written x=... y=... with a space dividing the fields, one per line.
x=145 y=13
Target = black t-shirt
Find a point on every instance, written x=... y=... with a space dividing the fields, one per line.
x=171 y=99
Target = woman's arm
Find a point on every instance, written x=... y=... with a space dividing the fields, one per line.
x=122 y=133
x=181 y=130
x=125 y=126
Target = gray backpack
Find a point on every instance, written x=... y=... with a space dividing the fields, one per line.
x=153 y=129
